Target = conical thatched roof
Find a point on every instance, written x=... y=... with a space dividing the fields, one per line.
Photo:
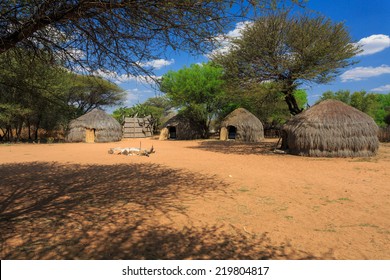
x=186 y=129
x=106 y=128
x=331 y=129
x=248 y=127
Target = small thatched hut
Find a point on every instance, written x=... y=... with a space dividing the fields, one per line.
x=181 y=128
x=95 y=126
x=331 y=129
x=242 y=125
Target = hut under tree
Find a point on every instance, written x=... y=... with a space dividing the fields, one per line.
x=241 y=125
x=181 y=127
x=95 y=126
x=331 y=129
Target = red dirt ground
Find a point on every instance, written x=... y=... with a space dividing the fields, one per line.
x=191 y=200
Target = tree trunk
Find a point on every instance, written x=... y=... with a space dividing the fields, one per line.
x=36 y=129
x=292 y=103
x=29 y=129
x=19 y=131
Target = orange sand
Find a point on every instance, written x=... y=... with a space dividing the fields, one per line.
x=191 y=200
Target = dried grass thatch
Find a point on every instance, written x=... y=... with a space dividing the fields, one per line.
x=185 y=128
x=247 y=126
x=331 y=129
x=104 y=127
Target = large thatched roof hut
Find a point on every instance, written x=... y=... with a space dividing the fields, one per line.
x=242 y=125
x=331 y=129
x=181 y=127
x=95 y=126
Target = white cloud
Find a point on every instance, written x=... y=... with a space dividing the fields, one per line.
x=125 y=78
x=373 y=44
x=361 y=73
x=136 y=95
x=224 y=41
x=157 y=63
x=132 y=96
x=382 y=88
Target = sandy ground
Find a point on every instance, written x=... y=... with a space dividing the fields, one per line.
x=191 y=200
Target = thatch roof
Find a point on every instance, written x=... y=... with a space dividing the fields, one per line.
x=186 y=129
x=248 y=127
x=331 y=129
x=107 y=129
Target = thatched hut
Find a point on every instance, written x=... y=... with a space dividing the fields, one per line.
x=181 y=127
x=95 y=126
x=242 y=125
x=331 y=129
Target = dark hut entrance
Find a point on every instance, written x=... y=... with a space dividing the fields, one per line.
x=232 y=131
x=172 y=132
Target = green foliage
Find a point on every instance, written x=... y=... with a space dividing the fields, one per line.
x=375 y=105
x=197 y=90
x=301 y=97
x=290 y=50
x=341 y=95
x=86 y=93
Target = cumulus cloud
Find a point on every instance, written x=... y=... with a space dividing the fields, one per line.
x=361 y=73
x=224 y=41
x=382 y=88
x=373 y=44
x=157 y=63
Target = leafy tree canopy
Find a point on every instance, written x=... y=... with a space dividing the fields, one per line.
x=196 y=89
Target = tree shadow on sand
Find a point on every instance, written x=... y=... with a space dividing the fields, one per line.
x=238 y=148
x=53 y=211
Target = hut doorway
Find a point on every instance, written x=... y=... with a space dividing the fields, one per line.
x=232 y=131
x=172 y=132
x=89 y=135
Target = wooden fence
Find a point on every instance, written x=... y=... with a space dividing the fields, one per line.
x=137 y=128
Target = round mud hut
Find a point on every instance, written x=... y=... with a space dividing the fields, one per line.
x=180 y=127
x=242 y=125
x=331 y=129
x=95 y=126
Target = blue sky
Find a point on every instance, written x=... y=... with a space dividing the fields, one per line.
x=368 y=23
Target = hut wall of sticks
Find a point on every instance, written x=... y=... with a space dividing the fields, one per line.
x=95 y=126
x=242 y=125
x=331 y=129
x=137 y=127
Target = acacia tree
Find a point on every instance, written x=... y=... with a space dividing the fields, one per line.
x=114 y=35
x=289 y=50
x=85 y=93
